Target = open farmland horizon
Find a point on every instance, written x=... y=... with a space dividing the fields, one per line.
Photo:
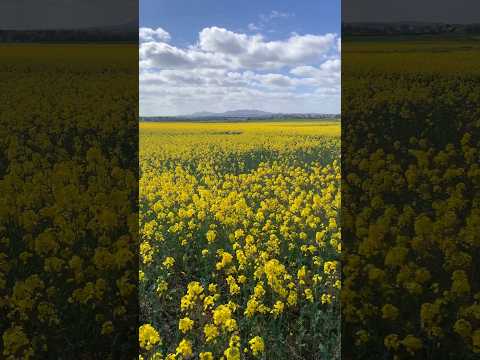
x=242 y=116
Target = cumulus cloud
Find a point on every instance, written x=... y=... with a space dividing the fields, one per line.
x=147 y=34
x=165 y=56
x=328 y=73
x=218 y=78
x=224 y=70
x=255 y=52
x=219 y=47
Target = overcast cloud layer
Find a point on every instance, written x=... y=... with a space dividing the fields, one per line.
x=227 y=70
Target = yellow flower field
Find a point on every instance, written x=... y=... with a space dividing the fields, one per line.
x=68 y=199
x=240 y=240
x=410 y=214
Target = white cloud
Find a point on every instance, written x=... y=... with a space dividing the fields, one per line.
x=226 y=70
x=274 y=14
x=254 y=27
x=266 y=19
x=218 y=47
x=277 y=80
x=147 y=34
x=327 y=74
x=215 y=39
x=185 y=100
x=165 y=56
x=218 y=78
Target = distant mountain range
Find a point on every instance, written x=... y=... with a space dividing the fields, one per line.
x=240 y=115
x=408 y=28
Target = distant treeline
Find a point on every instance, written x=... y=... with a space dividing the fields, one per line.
x=88 y=35
x=239 y=119
x=408 y=28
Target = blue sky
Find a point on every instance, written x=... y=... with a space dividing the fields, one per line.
x=185 y=18
x=217 y=55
